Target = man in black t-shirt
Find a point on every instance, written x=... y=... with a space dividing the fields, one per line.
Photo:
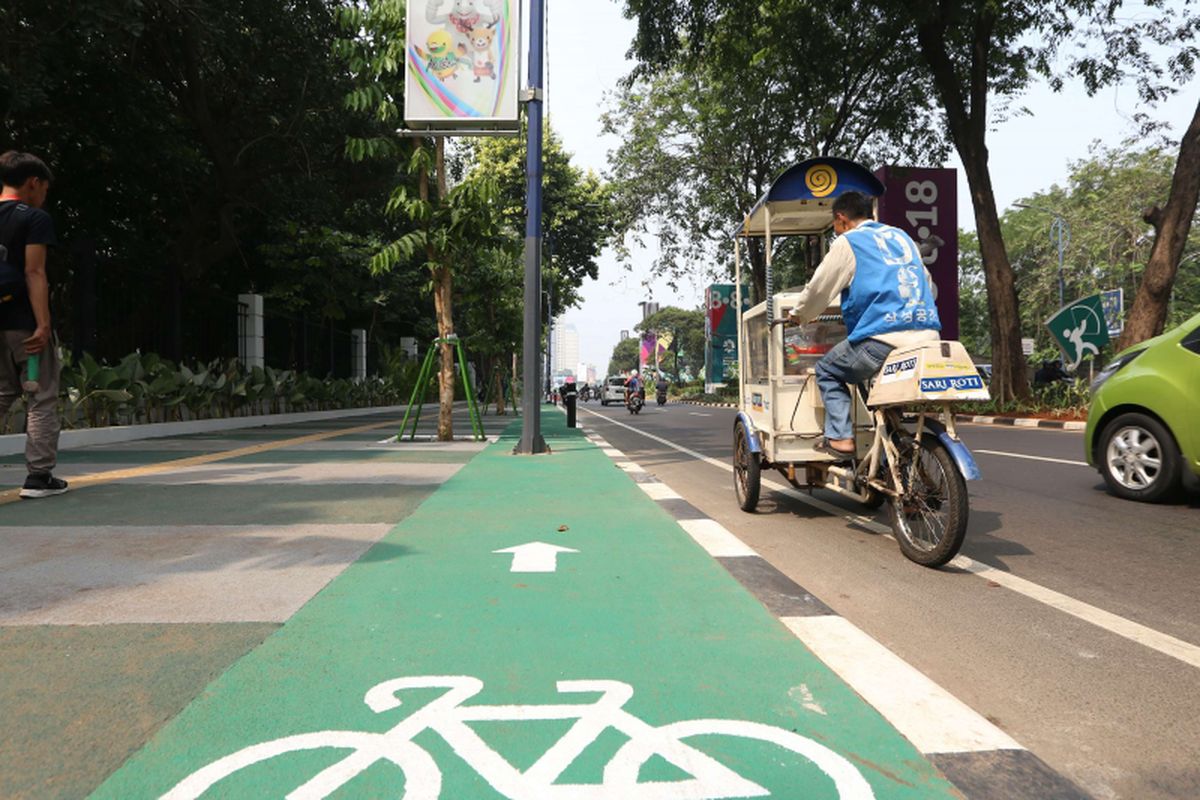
x=26 y=233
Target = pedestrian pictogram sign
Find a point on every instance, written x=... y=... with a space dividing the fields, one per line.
x=1080 y=329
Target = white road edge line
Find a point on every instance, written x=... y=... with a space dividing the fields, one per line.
x=715 y=538
x=659 y=491
x=1127 y=629
x=1032 y=458
x=926 y=714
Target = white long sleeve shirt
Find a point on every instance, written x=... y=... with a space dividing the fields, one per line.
x=833 y=274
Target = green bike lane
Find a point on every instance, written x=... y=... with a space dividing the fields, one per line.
x=631 y=600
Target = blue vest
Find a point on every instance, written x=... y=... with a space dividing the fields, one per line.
x=889 y=292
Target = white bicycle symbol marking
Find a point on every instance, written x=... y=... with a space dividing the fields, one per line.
x=710 y=780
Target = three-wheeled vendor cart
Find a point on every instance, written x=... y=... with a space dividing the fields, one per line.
x=908 y=453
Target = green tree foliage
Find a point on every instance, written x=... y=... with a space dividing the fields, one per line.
x=977 y=55
x=714 y=113
x=687 y=330
x=624 y=356
x=1103 y=202
x=973 y=328
x=578 y=215
x=201 y=140
x=468 y=235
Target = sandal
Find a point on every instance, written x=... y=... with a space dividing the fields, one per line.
x=823 y=446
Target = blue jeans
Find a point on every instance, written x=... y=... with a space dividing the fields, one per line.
x=847 y=363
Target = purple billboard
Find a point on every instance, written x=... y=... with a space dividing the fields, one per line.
x=923 y=202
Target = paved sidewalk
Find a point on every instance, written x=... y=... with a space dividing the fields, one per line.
x=121 y=600
x=566 y=669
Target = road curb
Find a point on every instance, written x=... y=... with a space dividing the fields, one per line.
x=1014 y=422
x=14 y=443
x=982 y=761
x=1023 y=422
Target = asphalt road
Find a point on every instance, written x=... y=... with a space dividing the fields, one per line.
x=1091 y=661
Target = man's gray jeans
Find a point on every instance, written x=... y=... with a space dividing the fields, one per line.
x=41 y=415
x=846 y=364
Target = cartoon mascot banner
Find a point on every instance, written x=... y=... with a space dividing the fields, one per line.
x=462 y=64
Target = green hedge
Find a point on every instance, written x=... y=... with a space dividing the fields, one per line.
x=145 y=388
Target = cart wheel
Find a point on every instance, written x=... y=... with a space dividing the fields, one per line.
x=747 y=471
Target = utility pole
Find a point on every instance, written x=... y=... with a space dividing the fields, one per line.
x=531 y=441
x=1060 y=236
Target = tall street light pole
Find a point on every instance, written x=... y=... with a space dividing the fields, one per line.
x=531 y=420
x=1060 y=236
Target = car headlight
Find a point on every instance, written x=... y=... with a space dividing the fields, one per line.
x=1111 y=368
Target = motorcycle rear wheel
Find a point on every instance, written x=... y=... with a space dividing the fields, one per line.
x=930 y=517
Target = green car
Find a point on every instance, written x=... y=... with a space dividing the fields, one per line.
x=1143 y=428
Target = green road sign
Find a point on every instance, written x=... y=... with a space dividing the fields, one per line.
x=1080 y=329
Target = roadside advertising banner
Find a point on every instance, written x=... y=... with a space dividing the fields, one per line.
x=461 y=71
x=923 y=202
x=649 y=349
x=1114 y=311
x=720 y=331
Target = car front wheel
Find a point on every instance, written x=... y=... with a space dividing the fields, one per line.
x=1138 y=458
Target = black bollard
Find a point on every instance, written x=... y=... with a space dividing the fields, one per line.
x=570 y=393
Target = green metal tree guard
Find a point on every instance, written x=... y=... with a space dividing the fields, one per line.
x=418 y=395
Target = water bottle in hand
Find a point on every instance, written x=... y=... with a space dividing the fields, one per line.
x=32 y=373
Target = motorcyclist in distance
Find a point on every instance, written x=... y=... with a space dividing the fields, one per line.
x=633 y=384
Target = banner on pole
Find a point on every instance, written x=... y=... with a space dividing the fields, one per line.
x=461 y=65
x=1114 y=310
x=649 y=353
x=923 y=202
x=720 y=331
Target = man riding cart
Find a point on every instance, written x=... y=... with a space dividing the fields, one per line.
x=845 y=385
x=886 y=299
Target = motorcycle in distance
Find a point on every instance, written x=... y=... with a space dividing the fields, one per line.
x=661 y=393
x=634 y=402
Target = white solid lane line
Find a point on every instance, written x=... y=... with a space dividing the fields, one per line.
x=1134 y=631
x=1032 y=458
x=930 y=717
x=1127 y=629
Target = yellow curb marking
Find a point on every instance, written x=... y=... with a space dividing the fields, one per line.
x=13 y=495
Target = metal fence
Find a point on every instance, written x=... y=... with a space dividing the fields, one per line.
x=110 y=309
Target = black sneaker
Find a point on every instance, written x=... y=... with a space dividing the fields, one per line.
x=43 y=484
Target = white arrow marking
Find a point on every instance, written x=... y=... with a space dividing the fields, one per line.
x=535 y=556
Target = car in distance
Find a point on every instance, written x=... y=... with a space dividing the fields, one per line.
x=1143 y=427
x=614 y=390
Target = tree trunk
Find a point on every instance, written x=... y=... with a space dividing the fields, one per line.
x=498 y=377
x=1009 y=380
x=967 y=119
x=442 y=296
x=445 y=322
x=1172 y=225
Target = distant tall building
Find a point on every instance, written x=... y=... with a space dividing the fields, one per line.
x=564 y=353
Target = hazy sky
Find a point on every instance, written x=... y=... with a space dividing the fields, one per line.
x=587 y=42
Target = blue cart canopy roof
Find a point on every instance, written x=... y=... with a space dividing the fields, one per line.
x=800 y=199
